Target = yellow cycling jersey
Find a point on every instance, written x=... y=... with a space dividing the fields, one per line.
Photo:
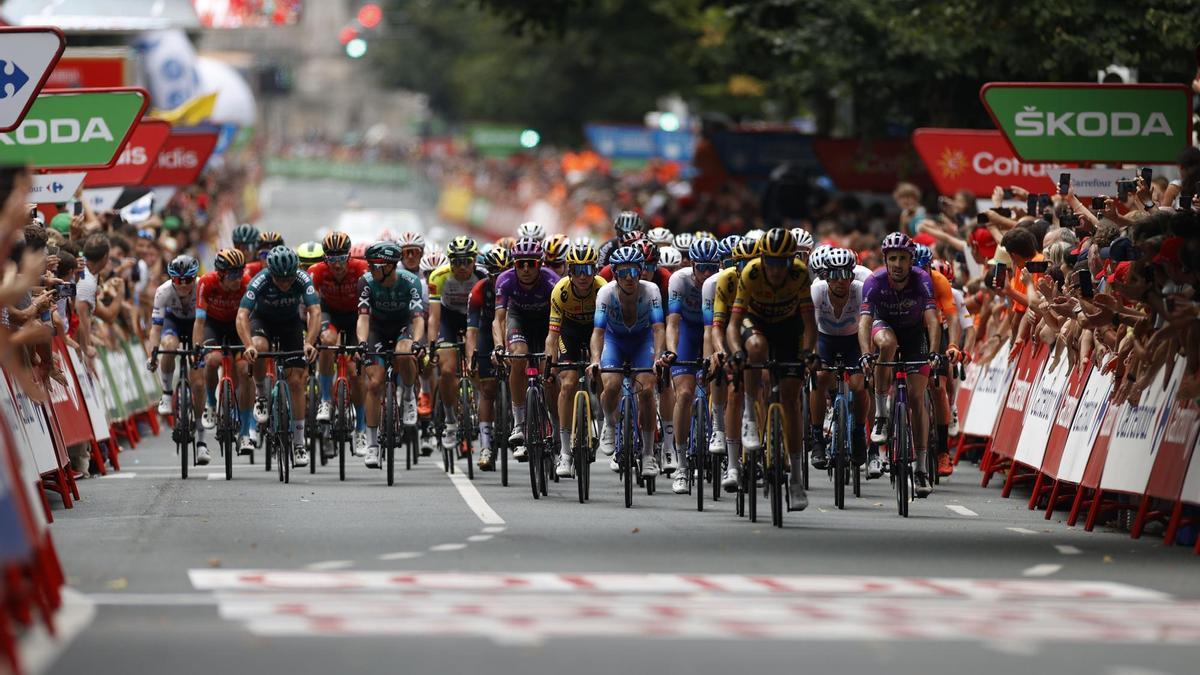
x=566 y=305
x=759 y=299
x=453 y=294
x=726 y=293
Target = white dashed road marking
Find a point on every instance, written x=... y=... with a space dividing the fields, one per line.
x=1067 y=550
x=961 y=510
x=1042 y=570
x=475 y=501
x=329 y=565
x=447 y=547
x=1020 y=530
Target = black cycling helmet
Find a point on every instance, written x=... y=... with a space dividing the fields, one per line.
x=282 y=262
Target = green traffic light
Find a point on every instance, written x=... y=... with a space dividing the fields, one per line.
x=530 y=138
x=356 y=48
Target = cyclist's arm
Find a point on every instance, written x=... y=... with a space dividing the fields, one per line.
x=864 y=333
x=551 y=347
x=243 y=325
x=597 y=344
x=809 y=317
x=673 y=332
x=933 y=326
x=198 y=327
x=955 y=331
x=435 y=314
x=660 y=340
x=314 y=324
x=418 y=328
x=732 y=338
x=498 y=324
x=155 y=337
x=363 y=328
x=472 y=342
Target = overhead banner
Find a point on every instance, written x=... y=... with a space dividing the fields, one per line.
x=1085 y=122
x=632 y=142
x=870 y=165
x=978 y=161
x=137 y=158
x=27 y=55
x=55 y=188
x=81 y=129
x=181 y=158
x=1097 y=182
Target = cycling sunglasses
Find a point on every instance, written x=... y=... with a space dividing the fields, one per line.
x=461 y=262
x=335 y=259
x=836 y=274
x=773 y=261
x=627 y=272
x=585 y=270
x=232 y=273
x=526 y=264
x=379 y=264
x=706 y=268
x=182 y=281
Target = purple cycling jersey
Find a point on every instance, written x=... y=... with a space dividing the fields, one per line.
x=899 y=307
x=514 y=296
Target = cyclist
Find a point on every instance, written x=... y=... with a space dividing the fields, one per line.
x=338 y=280
x=943 y=297
x=572 y=316
x=660 y=237
x=412 y=250
x=670 y=258
x=683 y=243
x=173 y=316
x=966 y=326
x=555 y=253
x=532 y=230
x=266 y=242
x=389 y=312
x=898 y=313
x=626 y=223
x=773 y=318
x=523 y=319
x=722 y=295
x=449 y=294
x=625 y=310
x=271 y=310
x=837 y=297
x=804 y=243
x=218 y=295
x=310 y=253
x=245 y=239
x=685 y=336
x=480 y=340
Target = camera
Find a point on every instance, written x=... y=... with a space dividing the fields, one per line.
x=1097 y=204
x=1064 y=183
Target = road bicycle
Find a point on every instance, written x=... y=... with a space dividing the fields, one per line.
x=539 y=431
x=465 y=410
x=841 y=469
x=584 y=432
x=342 y=420
x=391 y=431
x=901 y=449
x=628 y=441
x=183 y=414
x=699 y=461
x=277 y=440
x=229 y=418
x=774 y=462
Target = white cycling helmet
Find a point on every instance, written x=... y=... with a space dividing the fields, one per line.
x=531 y=230
x=804 y=240
x=840 y=263
x=584 y=241
x=660 y=236
x=670 y=257
x=754 y=235
x=410 y=239
x=816 y=259
x=432 y=260
x=683 y=241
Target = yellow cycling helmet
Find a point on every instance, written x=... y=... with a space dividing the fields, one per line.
x=583 y=254
x=777 y=243
x=555 y=249
x=746 y=249
x=462 y=247
x=310 y=253
x=705 y=234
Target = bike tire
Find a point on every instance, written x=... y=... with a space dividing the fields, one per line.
x=804 y=449
x=714 y=473
x=500 y=428
x=388 y=425
x=466 y=423
x=342 y=412
x=698 y=444
x=777 y=477
x=841 y=449
x=752 y=490
x=626 y=436
x=533 y=444
x=901 y=459
x=186 y=437
x=227 y=426
x=312 y=398
x=581 y=443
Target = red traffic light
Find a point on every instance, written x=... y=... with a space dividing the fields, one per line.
x=369 y=15
x=347 y=34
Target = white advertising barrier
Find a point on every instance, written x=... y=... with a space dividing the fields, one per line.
x=91 y=396
x=55 y=188
x=1097 y=182
x=123 y=374
x=1191 y=482
x=1092 y=406
x=29 y=473
x=988 y=396
x=1044 y=402
x=1137 y=432
x=37 y=430
x=102 y=199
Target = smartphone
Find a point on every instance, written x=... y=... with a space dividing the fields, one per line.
x=1147 y=174
x=1064 y=183
x=1031 y=203
x=1097 y=204
x=1185 y=202
x=1069 y=220
x=66 y=290
x=1008 y=193
x=1044 y=200
x=981 y=219
x=1037 y=266
x=1001 y=279
x=77 y=208
x=33 y=213
x=1085 y=284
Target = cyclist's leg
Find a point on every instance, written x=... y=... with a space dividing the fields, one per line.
x=643 y=357
x=517 y=380
x=259 y=333
x=914 y=344
x=611 y=356
x=447 y=367
x=489 y=389
x=166 y=362
x=684 y=384
x=326 y=360
x=568 y=383
x=690 y=347
x=757 y=351
x=884 y=340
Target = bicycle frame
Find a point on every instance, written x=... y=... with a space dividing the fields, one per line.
x=228 y=426
x=342 y=424
x=776 y=458
x=183 y=428
x=699 y=432
x=280 y=411
x=629 y=425
x=582 y=449
x=390 y=434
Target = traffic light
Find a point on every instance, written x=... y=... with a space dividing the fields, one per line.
x=356 y=48
x=529 y=139
x=369 y=15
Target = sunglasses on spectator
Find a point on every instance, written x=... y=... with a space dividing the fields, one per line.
x=527 y=264
x=582 y=270
x=336 y=259
x=706 y=268
x=627 y=272
x=182 y=281
x=461 y=262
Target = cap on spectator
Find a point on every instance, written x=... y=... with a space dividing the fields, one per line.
x=61 y=223
x=1121 y=250
x=1168 y=253
x=171 y=223
x=1120 y=273
x=984 y=242
x=1000 y=257
x=925 y=238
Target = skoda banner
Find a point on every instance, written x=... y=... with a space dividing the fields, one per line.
x=82 y=128
x=976 y=160
x=1057 y=122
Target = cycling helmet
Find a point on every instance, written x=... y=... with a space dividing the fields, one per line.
x=628 y=221
x=310 y=253
x=531 y=230
x=336 y=243
x=778 y=243
x=383 y=251
x=183 y=267
x=725 y=246
x=683 y=241
x=433 y=260
x=486 y=248
x=282 y=262
x=670 y=257
x=583 y=241
x=705 y=251
x=896 y=241
x=245 y=235
x=411 y=239
x=506 y=242
x=943 y=267
x=649 y=251
x=526 y=248
x=583 y=254
x=818 y=255
x=359 y=250
x=462 y=247
x=229 y=259
x=626 y=255
x=922 y=256
x=705 y=234
x=755 y=234
x=498 y=260
x=804 y=240
x=628 y=238
x=555 y=248
x=660 y=235
x=746 y=249
x=839 y=259
x=269 y=240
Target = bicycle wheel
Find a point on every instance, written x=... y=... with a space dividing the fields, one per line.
x=281 y=429
x=185 y=434
x=227 y=425
x=312 y=398
x=625 y=444
x=533 y=441
x=775 y=472
x=388 y=428
x=466 y=423
x=714 y=474
x=698 y=448
x=804 y=449
x=901 y=457
x=501 y=428
x=342 y=415
x=581 y=443
x=752 y=489
x=841 y=449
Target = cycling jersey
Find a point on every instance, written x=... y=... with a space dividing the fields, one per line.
x=168 y=303
x=338 y=295
x=611 y=318
x=756 y=296
x=253 y=268
x=264 y=299
x=662 y=279
x=568 y=307
x=861 y=272
x=943 y=296
x=964 y=315
x=898 y=307
x=424 y=288
x=829 y=322
x=724 y=291
x=685 y=296
x=514 y=296
x=447 y=290
x=214 y=302
x=481 y=308
x=395 y=304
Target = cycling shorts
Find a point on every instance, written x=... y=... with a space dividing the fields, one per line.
x=690 y=347
x=289 y=332
x=637 y=350
x=483 y=355
x=784 y=340
x=913 y=342
x=383 y=335
x=527 y=328
x=343 y=322
x=221 y=332
x=180 y=328
x=830 y=346
x=573 y=342
x=453 y=326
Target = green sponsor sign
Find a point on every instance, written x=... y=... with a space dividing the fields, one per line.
x=324 y=169
x=1057 y=122
x=494 y=140
x=85 y=128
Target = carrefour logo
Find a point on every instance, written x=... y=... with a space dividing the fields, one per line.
x=58 y=132
x=1032 y=122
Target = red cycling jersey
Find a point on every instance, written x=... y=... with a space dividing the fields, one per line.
x=338 y=295
x=216 y=302
x=253 y=268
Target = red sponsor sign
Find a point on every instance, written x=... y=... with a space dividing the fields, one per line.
x=977 y=160
x=870 y=165
x=78 y=70
x=137 y=157
x=1175 y=451
x=181 y=158
x=1063 y=418
x=70 y=409
x=1008 y=424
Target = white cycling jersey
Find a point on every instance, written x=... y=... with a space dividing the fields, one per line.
x=829 y=322
x=861 y=273
x=168 y=302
